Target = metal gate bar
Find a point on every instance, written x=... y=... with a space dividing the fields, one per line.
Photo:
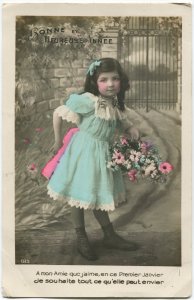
x=148 y=57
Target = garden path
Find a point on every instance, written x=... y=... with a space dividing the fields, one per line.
x=151 y=217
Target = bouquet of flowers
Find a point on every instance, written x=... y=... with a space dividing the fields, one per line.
x=139 y=160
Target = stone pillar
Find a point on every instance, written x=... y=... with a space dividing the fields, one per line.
x=110 y=49
x=179 y=76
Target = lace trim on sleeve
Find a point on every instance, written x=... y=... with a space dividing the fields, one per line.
x=66 y=114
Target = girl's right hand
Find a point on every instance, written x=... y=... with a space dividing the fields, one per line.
x=57 y=145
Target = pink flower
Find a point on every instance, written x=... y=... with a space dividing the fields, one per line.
x=32 y=168
x=26 y=141
x=132 y=175
x=124 y=141
x=144 y=148
x=165 y=167
x=118 y=157
x=39 y=129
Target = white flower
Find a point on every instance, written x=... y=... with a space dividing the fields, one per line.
x=148 y=161
x=135 y=156
x=154 y=174
x=112 y=165
x=149 y=170
x=127 y=164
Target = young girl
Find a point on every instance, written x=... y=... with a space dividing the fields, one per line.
x=81 y=177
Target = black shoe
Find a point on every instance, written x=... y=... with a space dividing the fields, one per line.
x=113 y=241
x=83 y=245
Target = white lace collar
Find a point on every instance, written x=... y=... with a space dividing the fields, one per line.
x=105 y=110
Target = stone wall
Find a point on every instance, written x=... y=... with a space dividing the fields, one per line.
x=67 y=78
x=62 y=80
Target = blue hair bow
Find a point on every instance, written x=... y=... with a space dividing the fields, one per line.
x=93 y=66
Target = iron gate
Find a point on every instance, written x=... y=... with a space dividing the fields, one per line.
x=149 y=54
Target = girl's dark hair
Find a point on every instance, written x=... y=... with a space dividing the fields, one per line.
x=108 y=65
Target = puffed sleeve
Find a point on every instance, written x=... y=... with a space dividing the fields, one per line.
x=75 y=108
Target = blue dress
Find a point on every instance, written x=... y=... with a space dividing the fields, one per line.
x=82 y=177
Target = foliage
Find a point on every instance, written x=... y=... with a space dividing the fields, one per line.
x=169 y=25
x=34 y=209
x=173 y=25
x=36 y=54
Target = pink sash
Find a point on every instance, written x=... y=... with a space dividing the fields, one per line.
x=51 y=165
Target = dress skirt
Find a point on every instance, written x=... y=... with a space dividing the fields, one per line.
x=81 y=177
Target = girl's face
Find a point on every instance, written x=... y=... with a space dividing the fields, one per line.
x=108 y=84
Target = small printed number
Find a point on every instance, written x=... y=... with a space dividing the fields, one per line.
x=25 y=261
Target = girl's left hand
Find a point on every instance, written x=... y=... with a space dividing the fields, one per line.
x=134 y=133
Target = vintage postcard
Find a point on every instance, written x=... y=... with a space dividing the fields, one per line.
x=97 y=150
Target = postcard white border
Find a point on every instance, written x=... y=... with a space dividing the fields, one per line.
x=18 y=279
